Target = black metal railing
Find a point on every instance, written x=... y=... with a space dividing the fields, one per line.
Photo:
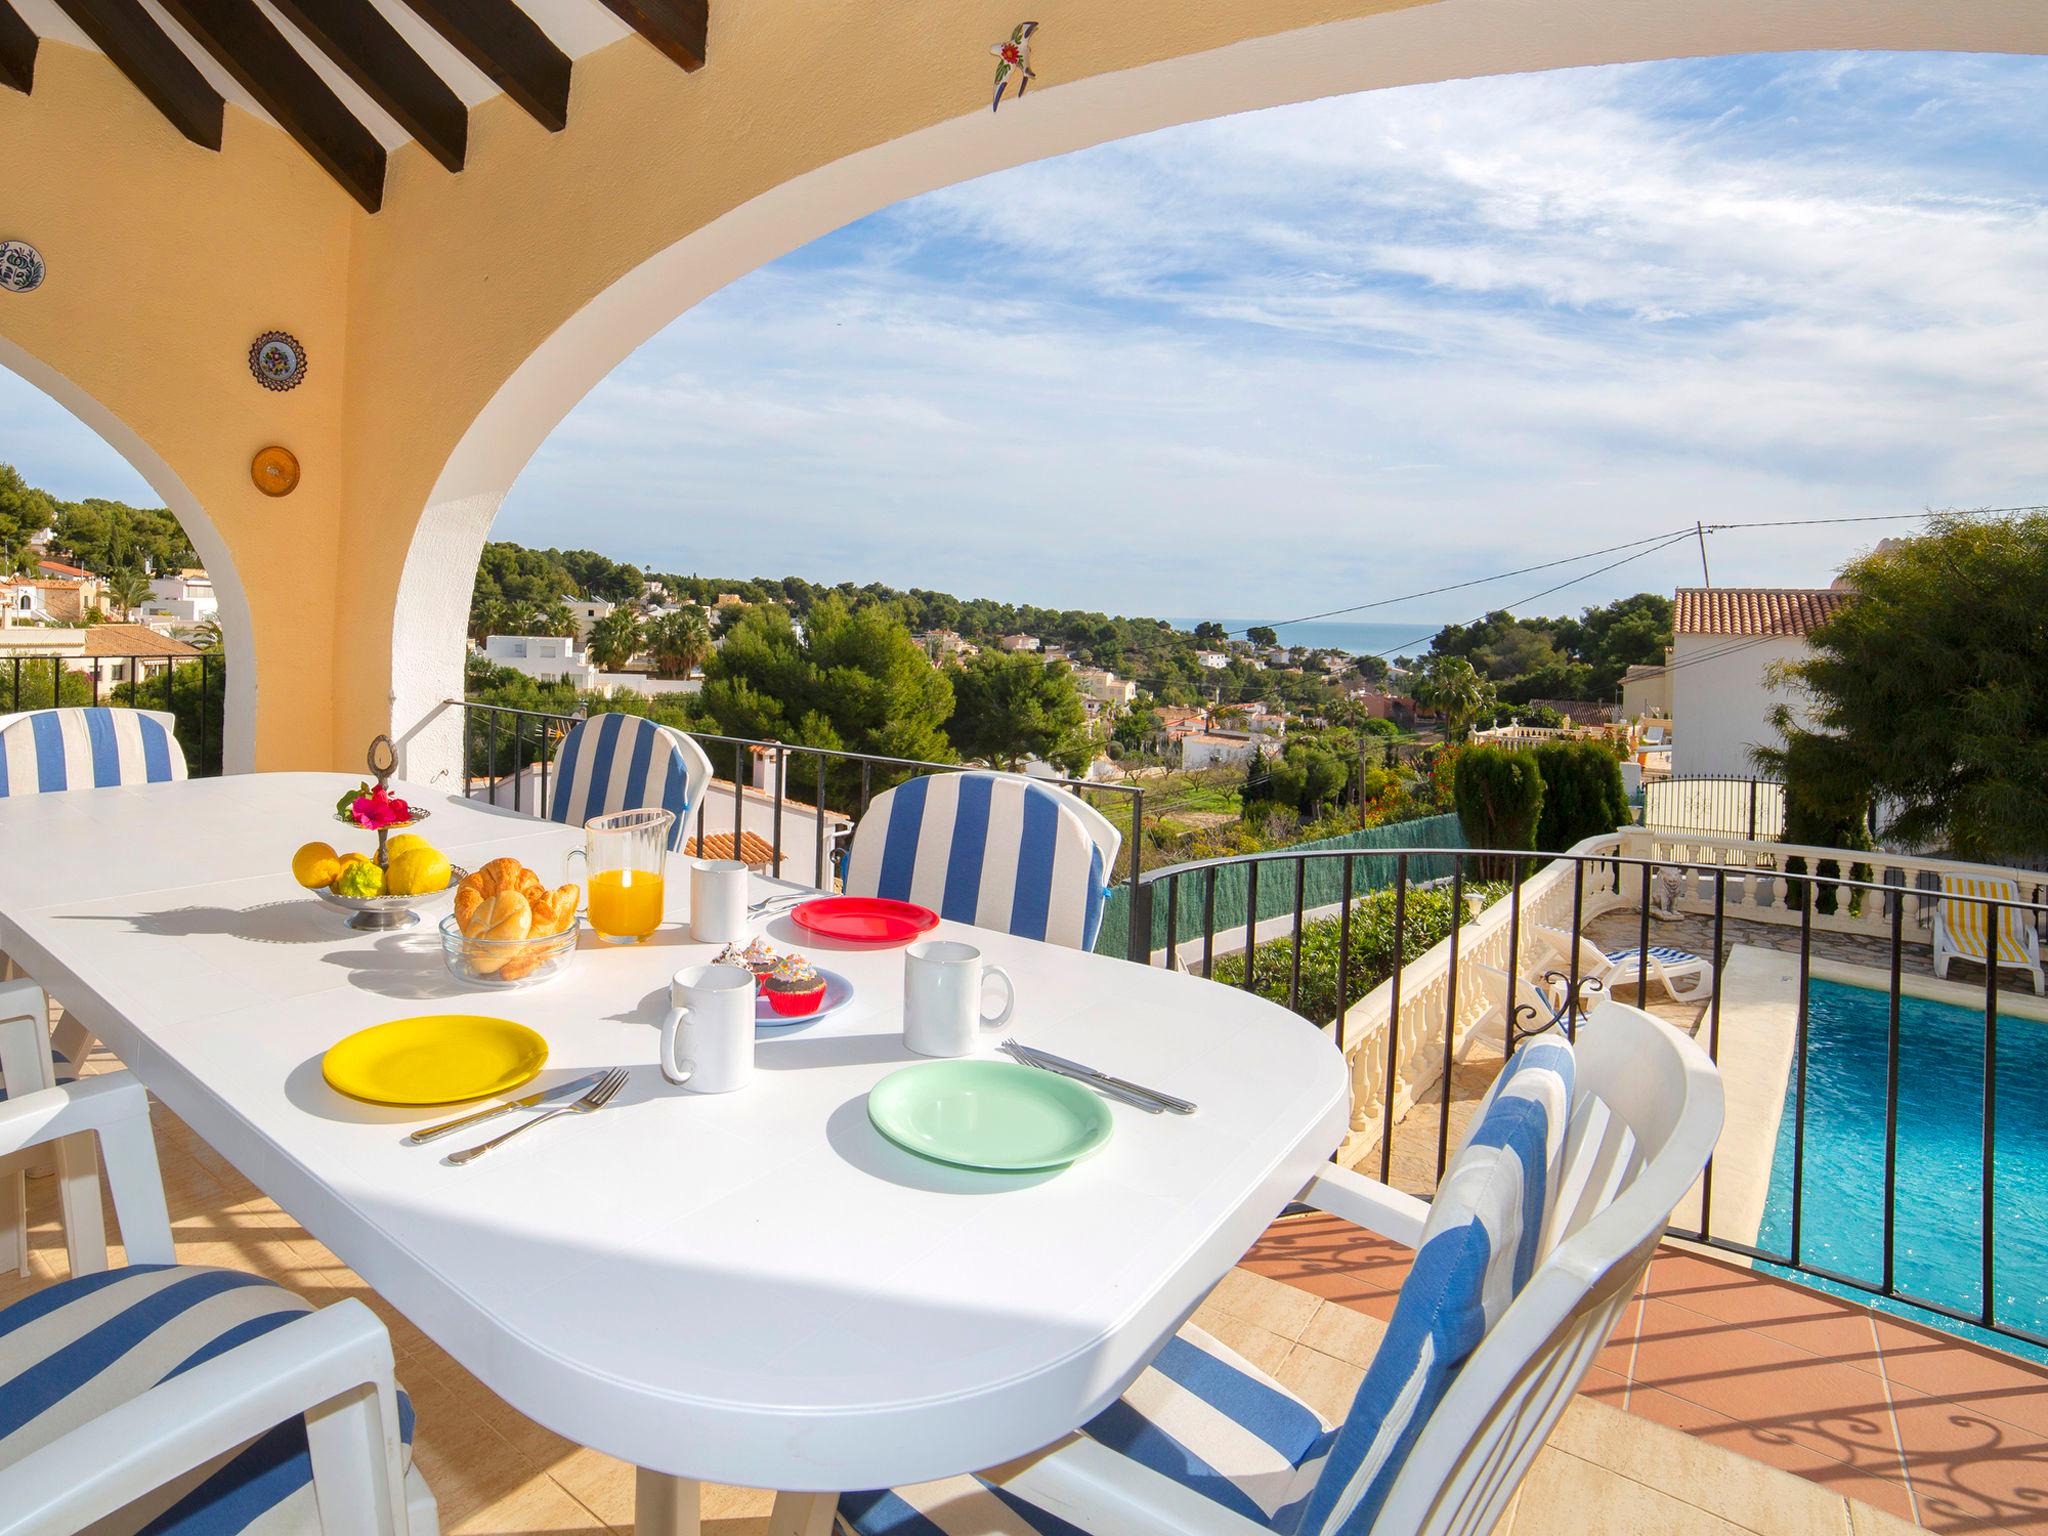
x=1349 y=947
x=190 y=688
x=1838 y=1076
x=508 y=756
x=1716 y=805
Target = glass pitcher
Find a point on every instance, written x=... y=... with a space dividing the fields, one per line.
x=623 y=853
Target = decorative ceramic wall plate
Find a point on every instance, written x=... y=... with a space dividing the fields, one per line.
x=21 y=266
x=278 y=360
x=275 y=471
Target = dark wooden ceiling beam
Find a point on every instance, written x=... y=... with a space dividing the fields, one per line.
x=250 y=47
x=501 y=40
x=155 y=65
x=370 y=51
x=17 y=50
x=676 y=27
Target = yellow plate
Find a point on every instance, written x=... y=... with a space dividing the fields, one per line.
x=438 y=1058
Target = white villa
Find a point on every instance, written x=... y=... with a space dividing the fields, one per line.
x=1725 y=641
x=186 y=596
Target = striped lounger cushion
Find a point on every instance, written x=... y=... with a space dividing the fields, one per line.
x=620 y=763
x=1663 y=953
x=1211 y=1421
x=76 y=1349
x=58 y=749
x=1968 y=921
x=1199 y=1414
x=996 y=852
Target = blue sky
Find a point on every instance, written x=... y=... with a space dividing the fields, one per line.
x=1327 y=354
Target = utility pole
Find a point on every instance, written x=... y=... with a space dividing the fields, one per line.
x=1700 y=528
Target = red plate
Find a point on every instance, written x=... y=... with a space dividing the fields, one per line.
x=865 y=919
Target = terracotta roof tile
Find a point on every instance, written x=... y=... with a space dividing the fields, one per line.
x=1754 y=610
x=132 y=640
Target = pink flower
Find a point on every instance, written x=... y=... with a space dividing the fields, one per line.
x=379 y=809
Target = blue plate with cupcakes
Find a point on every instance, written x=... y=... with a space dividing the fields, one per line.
x=789 y=990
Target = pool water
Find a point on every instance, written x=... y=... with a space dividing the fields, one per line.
x=1938 y=1236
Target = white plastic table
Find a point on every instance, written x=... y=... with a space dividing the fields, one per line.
x=752 y=1288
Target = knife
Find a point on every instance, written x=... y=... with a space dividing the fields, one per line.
x=1024 y=1058
x=1089 y=1074
x=545 y=1096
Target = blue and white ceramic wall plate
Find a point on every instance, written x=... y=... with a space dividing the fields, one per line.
x=278 y=360
x=21 y=266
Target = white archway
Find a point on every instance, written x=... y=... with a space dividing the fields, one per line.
x=238 y=635
x=1443 y=40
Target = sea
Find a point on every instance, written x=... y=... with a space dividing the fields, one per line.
x=1356 y=638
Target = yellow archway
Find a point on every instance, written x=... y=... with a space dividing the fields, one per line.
x=450 y=331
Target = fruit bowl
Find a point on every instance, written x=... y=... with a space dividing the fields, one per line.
x=381 y=914
x=506 y=963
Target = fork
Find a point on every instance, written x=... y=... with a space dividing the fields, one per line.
x=597 y=1098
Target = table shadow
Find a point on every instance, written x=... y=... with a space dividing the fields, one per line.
x=795 y=1051
x=404 y=965
x=307 y=921
x=850 y=1134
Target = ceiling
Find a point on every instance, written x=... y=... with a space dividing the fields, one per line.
x=350 y=80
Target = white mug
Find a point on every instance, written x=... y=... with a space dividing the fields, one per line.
x=718 y=900
x=707 y=1036
x=942 y=987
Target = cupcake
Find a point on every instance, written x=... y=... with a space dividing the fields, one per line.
x=757 y=957
x=794 y=987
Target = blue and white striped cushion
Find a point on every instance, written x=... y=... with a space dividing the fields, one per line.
x=74 y=1350
x=57 y=749
x=1663 y=952
x=1199 y=1414
x=621 y=763
x=984 y=849
x=1478 y=1249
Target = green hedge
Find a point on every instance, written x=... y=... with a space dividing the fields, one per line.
x=1426 y=921
x=1323 y=886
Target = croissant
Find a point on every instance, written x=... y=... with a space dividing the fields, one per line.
x=554 y=911
x=499 y=875
x=500 y=917
x=468 y=897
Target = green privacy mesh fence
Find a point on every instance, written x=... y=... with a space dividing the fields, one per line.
x=1323 y=882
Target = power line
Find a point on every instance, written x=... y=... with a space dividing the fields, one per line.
x=1457 y=586
x=1667 y=541
x=1656 y=539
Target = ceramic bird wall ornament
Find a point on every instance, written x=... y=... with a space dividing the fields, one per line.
x=1013 y=61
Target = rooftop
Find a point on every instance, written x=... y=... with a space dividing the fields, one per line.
x=1754 y=610
x=133 y=640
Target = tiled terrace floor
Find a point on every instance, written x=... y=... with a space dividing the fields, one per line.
x=1719 y=1385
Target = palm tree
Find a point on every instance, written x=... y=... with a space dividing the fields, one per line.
x=614 y=638
x=679 y=641
x=128 y=589
x=556 y=619
x=1449 y=685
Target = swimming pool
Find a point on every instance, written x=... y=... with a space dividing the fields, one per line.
x=1938 y=1247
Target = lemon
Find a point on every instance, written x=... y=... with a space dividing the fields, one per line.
x=355 y=858
x=359 y=880
x=315 y=865
x=405 y=842
x=419 y=871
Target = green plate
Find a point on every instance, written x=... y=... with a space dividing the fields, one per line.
x=989 y=1114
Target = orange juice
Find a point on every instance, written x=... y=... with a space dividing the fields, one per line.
x=625 y=903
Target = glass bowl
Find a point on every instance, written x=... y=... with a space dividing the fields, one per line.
x=506 y=962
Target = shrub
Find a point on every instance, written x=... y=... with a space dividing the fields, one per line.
x=1582 y=793
x=1499 y=795
x=1427 y=920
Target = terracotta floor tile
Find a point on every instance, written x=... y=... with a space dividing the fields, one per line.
x=1329 y=1258
x=2000 y=1385
x=1324 y=1382
x=1818 y=1324
x=1606 y=1386
x=1870 y=1481
x=1619 y=1353
x=1971 y=1471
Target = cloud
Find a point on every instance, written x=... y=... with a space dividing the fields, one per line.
x=1331 y=353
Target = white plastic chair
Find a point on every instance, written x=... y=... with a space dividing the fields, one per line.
x=1962 y=927
x=617 y=762
x=1614 y=969
x=28 y=1063
x=1645 y=1114
x=177 y=1424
